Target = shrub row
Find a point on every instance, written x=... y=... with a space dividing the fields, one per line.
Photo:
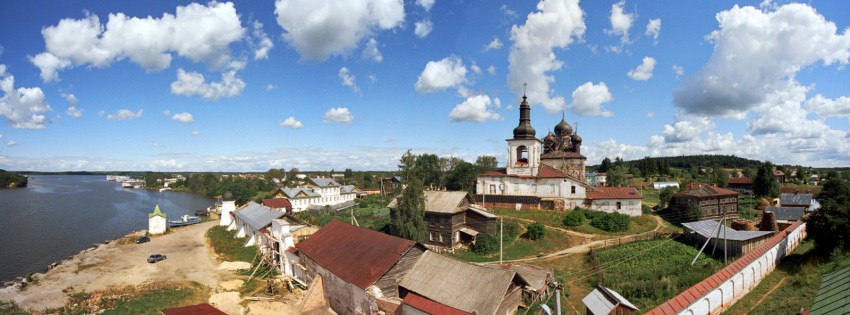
x=611 y=222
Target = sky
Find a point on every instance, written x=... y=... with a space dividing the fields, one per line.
x=325 y=84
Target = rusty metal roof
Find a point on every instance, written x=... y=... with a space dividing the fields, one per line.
x=613 y=193
x=357 y=255
x=706 y=191
x=200 y=309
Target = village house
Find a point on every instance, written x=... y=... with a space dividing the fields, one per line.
x=739 y=242
x=542 y=174
x=623 y=200
x=713 y=201
x=454 y=219
x=316 y=194
x=279 y=204
x=358 y=267
x=441 y=285
x=251 y=219
x=283 y=235
x=779 y=175
x=391 y=186
x=785 y=216
x=742 y=185
x=604 y=301
x=157 y=222
x=800 y=200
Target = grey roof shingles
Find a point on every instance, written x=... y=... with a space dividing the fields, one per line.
x=442 y=201
x=708 y=228
x=257 y=216
x=603 y=300
x=292 y=193
x=787 y=213
x=324 y=182
x=795 y=199
x=464 y=286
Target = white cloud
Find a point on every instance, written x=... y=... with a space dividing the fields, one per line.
x=348 y=80
x=193 y=83
x=291 y=122
x=476 y=108
x=318 y=29
x=621 y=22
x=338 y=115
x=508 y=12
x=261 y=42
x=439 y=75
x=611 y=149
x=197 y=32
x=425 y=4
x=678 y=70
x=196 y=133
x=423 y=28
x=653 y=28
x=643 y=71
x=555 y=24
x=185 y=118
x=373 y=78
x=825 y=107
x=11 y=143
x=125 y=114
x=165 y=112
x=371 y=52
x=491 y=70
x=588 y=99
x=475 y=68
x=687 y=128
x=743 y=70
x=494 y=44
x=270 y=87
x=72 y=110
x=23 y=108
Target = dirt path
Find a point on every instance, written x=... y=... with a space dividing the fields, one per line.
x=189 y=258
x=763 y=297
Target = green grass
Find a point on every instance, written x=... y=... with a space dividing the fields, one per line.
x=650 y=196
x=371 y=213
x=229 y=248
x=547 y=217
x=641 y=224
x=521 y=247
x=651 y=272
x=10 y=308
x=802 y=272
x=152 y=302
x=747 y=207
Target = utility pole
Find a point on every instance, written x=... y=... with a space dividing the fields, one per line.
x=501 y=237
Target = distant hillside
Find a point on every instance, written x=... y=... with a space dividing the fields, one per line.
x=12 y=180
x=688 y=161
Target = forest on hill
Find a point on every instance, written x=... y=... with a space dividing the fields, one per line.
x=12 y=180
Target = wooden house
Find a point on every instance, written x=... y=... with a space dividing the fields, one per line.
x=739 y=242
x=357 y=266
x=713 y=201
x=441 y=285
x=742 y=185
x=604 y=301
x=453 y=219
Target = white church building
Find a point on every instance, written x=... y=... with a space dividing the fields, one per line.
x=549 y=174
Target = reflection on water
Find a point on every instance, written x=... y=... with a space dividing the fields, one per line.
x=58 y=216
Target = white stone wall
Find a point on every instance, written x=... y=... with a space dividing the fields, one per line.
x=742 y=282
x=630 y=207
x=157 y=225
x=540 y=187
x=227 y=207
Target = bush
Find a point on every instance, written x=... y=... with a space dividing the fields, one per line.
x=645 y=209
x=511 y=229
x=574 y=218
x=536 y=231
x=612 y=222
x=485 y=244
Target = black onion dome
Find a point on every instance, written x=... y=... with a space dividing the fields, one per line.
x=576 y=138
x=228 y=196
x=563 y=128
x=550 y=137
x=524 y=129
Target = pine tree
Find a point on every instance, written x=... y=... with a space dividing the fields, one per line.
x=765 y=184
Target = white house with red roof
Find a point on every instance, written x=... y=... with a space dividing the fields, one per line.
x=549 y=174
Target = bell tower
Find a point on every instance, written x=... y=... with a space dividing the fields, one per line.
x=524 y=148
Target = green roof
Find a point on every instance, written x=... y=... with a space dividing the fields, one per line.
x=156 y=212
x=834 y=294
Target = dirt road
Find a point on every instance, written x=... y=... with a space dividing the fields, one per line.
x=189 y=258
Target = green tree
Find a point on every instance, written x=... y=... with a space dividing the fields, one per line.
x=485 y=244
x=666 y=195
x=617 y=176
x=463 y=177
x=427 y=168
x=273 y=173
x=408 y=217
x=694 y=212
x=348 y=173
x=536 y=231
x=574 y=218
x=765 y=184
x=719 y=177
x=749 y=173
x=828 y=226
x=604 y=166
x=486 y=163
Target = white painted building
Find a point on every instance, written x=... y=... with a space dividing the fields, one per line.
x=662 y=185
x=251 y=219
x=625 y=200
x=550 y=173
x=228 y=205
x=317 y=193
x=157 y=222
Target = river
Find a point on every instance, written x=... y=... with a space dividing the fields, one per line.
x=57 y=216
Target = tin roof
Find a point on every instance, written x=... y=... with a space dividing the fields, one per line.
x=324 y=182
x=834 y=294
x=277 y=203
x=430 y=306
x=613 y=193
x=292 y=193
x=443 y=201
x=257 y=216
x=740 y=181
x=461 y=285
x=200 y=309
x=787 y=213
x=795 y=199
x=603 y=300
x=706 y=191
x=357 y=255
x=708 y=228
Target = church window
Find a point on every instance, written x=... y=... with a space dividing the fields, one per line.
x=522 y=154
x=573 y=190
x=492 y=189
x=619 y=205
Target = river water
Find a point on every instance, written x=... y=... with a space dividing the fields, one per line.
x=57 y=216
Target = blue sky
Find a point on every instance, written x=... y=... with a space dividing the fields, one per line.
x=320 y=85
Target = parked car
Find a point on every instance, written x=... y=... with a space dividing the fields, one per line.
x=143 y=239
x=155 y=257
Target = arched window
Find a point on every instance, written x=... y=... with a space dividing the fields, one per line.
x=522 y=154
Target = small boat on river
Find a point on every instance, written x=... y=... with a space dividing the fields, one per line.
x=184 y=220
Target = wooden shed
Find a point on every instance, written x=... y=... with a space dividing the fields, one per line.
x=740 y=242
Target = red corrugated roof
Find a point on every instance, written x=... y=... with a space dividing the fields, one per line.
x=200 y=309
x=429 y=306
x=741 y=181
x=357 y=255
x=278 y=203
x=613 y=193
x=697 y=291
